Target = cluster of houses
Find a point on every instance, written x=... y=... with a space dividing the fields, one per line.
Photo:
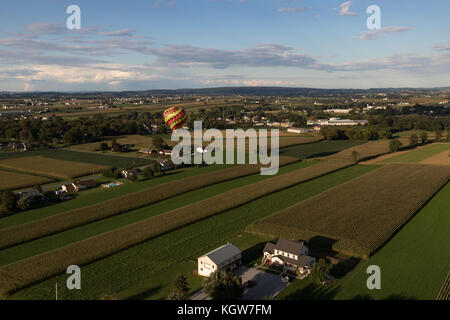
x=13 y=146
x=79 y=185
x=291 y=256
x=335 y=122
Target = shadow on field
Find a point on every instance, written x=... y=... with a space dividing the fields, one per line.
x=398 y=296
x=313 y=292
x=144 y=294
x=253 y=253
x=322 y=242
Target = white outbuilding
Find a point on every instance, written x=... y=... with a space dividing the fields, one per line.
x=227 y=257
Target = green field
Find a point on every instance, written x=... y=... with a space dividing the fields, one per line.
x=10 y=180
x=132 y=266
x=319 y=149
x=96 y=195
x=415 y=263
x=419 y=154
x=76 y=156
x=358 y=217
x=48 y=243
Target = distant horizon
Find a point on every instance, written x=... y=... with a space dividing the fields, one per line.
x=231 y=87
x=135 y=45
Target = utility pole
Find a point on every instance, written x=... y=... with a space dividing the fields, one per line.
x=56 y=291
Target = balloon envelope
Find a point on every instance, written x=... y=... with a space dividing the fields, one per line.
x=174 y=117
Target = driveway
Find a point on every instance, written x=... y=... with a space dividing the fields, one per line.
x=267 y=284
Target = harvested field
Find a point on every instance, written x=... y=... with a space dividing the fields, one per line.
x=103 y=245
x=442 y=158
x=12 y=180
x=419 y=154
x=365 y=151
x=357 y=217
x=50 y=167
x=57 y=223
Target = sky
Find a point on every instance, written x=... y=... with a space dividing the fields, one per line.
x=172 y=44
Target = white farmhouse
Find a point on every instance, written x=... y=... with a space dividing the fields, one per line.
x=292 y=255
x=227 y=257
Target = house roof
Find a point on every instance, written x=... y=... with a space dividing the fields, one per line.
x=289 y=246
x=222 y=253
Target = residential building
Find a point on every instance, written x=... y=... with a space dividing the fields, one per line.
x=79 y=185
x=227 y=257
x=292 y=255
x=131 y=172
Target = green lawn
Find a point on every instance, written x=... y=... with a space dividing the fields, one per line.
x=415 y=263
x=420 y=154
x=41 y=245
x=319 y=149
x=157 y=288
x=148 y=260
x=93 y=196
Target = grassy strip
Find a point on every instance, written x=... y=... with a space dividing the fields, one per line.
x=12 y=180
x=319 y=149
x=147 y=260
x=419 y=154
x=360 y=216
x=103 y=245
x=43 y=227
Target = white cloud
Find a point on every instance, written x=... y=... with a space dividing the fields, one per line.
x=344 y=9
x=373 y=34
x=292 y=9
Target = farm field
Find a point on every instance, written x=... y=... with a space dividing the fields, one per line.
x=47 y=243
x=12 y=180
x=70 y=219
x=111 y=242
x=62 y=169
x=442 y=158
x=319 y=149
x=139 y=141
x=162 y=285
x=76 y=156
x=148 y=259
x=358 y=217
x=420 y=154
x=93 y=196
x=414 y=263
x=365 y=151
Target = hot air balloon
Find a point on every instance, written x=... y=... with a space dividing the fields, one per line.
x=174 y=117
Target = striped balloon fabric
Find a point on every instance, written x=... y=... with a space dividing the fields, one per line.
x=174 y=117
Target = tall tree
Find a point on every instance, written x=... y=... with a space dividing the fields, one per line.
x=223 y=285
